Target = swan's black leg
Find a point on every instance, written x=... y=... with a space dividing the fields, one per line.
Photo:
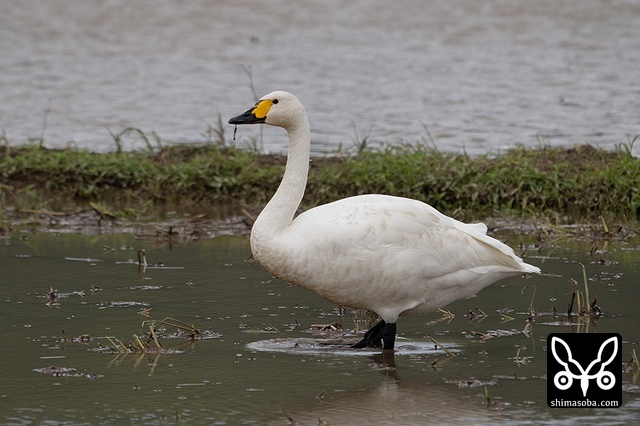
x=388 y=334
x=373 y=337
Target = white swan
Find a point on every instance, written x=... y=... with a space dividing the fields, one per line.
x=388 y=254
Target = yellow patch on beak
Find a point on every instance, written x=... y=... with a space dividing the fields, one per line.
x=262 y=108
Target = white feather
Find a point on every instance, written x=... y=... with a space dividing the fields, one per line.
x=388 y=254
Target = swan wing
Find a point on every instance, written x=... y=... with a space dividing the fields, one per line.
x=357 y=226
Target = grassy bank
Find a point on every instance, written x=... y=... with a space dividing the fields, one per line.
x=582 y=183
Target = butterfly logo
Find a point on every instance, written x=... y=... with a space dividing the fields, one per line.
x=563 y=380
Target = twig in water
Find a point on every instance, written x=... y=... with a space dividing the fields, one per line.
x=142 y=260
x=447 y=351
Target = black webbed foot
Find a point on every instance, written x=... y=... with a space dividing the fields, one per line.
x=381 y=335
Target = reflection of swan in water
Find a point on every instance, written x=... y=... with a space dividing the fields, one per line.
x=390 y=255
x=392 y=401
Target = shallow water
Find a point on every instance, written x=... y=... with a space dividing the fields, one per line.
x=246 y=375
x=481 y=76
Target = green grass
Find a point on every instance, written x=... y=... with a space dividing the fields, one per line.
x=581 y=183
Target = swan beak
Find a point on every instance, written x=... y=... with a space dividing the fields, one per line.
x=248 y=117
x=257 y=114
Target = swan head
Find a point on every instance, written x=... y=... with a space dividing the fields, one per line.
x=278 y=108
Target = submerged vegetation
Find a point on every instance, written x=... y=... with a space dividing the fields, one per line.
x=580 y=183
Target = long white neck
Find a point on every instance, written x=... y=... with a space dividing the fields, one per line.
x=279 y=212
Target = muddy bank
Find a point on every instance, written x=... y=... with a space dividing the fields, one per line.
x=210 y=188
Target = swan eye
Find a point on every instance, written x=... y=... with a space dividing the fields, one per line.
x=275 y=101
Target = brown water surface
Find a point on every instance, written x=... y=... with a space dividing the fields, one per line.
x=55 y=368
